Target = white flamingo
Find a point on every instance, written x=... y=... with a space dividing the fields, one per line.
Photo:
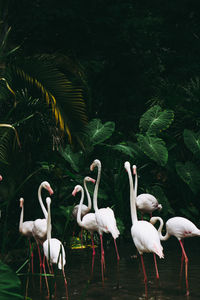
x=104 y=216
x=146 y=203
x=40 y=225
x=88 y=221
x=180 y=228
x=85 y=208
x=25 y=228
x=53 y=248
x=144 y=234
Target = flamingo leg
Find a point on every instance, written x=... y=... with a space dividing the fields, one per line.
x=145 y=275
x=31 y=252
x=102 y=258
x=93 y=253
x=65 y=280
x=40 y=258
x=156 y=267
x=118 y=258
x=181 y=269
x=186 y=267
x=46 y=277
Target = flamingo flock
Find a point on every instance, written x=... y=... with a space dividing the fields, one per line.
x=146 y=238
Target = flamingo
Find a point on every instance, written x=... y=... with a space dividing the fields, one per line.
x=25 y=228
x=85 y=209
x=144 y=234
x=180 y=228
x=146 y=203
x=105 y=217
x=53 y=248
x=40 y=225
x=88 y=222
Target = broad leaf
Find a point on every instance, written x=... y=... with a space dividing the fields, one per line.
x=10 y=285
x=123 y=148
x=154 y=148
x=155 y=120
x=73 y=158
x=190 y=174
x=158 y=192
x=192 y=140
x=99 y=132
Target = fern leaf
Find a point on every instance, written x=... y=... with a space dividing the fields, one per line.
x=154 y=148
x=156 y=120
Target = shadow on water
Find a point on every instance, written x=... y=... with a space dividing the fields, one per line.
x=125 y=281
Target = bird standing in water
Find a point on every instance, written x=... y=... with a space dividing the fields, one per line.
x=180 y=228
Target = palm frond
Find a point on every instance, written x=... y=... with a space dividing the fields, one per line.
x=48 y=83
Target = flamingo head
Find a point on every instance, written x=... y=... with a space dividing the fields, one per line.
x=87 y=178
x=1 y=177
x=153 y=220
x=48 y=201
x=127 y=165
x=47 y=186
x=77 y=189
x=21 y=201
x=134 y=169
x=95 y=163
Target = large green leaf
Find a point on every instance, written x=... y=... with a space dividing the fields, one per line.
x=123 y=148
x=73 y=158
x=190 y=174
x=158 y=192
x=154 y=148
x=192 y=140
x=99 y=132
x=155 y=120
x=10 y=285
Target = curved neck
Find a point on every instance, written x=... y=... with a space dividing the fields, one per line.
x=136 y=183
x=21 y=218
x=48 y=222
x=88 y=195
x=80 y=208
x=96 y=188
x=132 y=197
x=162 y=237
x=41 y=202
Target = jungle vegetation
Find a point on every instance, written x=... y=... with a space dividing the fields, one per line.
x=113 y=80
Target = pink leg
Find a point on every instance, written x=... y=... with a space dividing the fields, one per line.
x=65 y=280
x=186 y=267
x=118 y=258
x=93 y=253
x=46 y=277
x=102 y=258
x=145 y=275
x=181 y=269
x=31 y=252
x=156 y=267
x=40 y=258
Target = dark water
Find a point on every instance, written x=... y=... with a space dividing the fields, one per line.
x=125 y=281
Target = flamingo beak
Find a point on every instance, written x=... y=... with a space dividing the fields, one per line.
x=92 y=167
x=74 y=192
x=1 y=177
x=50 y=191
x=92 y=180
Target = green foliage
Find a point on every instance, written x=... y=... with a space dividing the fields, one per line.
x=10 y=285
x=192 y=141
x=190 y=174
x=154 y=148
x=156 y=120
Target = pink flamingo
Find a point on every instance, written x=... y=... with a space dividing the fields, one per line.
x=25 y=228
x=88 y=221
x=144 y=234
x=105 y=217
x=180 y=228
